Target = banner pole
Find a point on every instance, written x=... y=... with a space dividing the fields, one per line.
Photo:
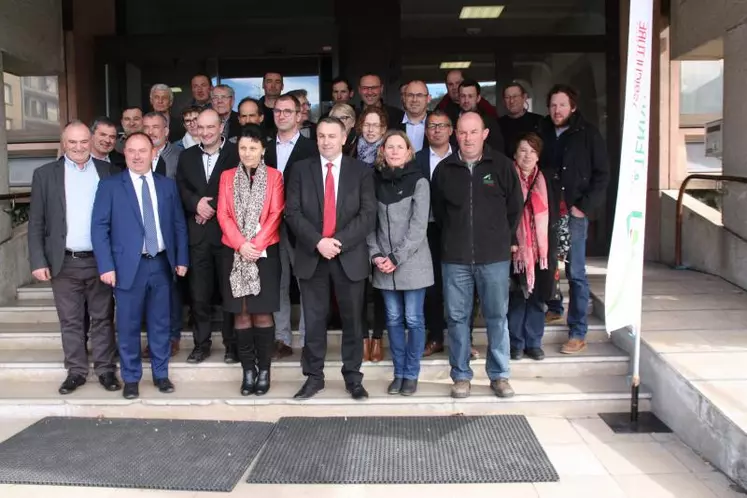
x=636 y=379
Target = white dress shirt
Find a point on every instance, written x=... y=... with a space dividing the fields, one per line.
x=284 y=150
x=209 y=160
x=138 y=183
x=435 y=158
x=156 y=157
x=337 y=164
x=415 y=132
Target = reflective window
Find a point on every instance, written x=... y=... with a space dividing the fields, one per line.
x=252 y=87
x=31 y=108
x=701 y=92
x=438 y=90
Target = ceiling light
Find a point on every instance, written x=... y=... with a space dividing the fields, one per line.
x=482 y=12
x=456 y=65
x=176 y=89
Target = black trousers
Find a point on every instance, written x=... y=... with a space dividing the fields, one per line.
x=205 y=279
x=379 y=313
x=76 y=287
x=434 y=295
x=315 y=293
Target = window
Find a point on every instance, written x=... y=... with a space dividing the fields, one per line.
x=34 y=115
x=438 y=90
x=252 y=87
x=701 y=92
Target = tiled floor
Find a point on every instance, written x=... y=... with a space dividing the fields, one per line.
x=592 y=462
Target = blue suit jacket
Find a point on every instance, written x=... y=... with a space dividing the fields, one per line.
x=117 y=230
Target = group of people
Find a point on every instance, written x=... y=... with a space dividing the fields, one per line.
x=425 y=213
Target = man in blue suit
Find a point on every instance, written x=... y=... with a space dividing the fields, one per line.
x=139 y=239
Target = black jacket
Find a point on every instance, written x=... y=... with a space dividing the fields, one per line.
x=303 y=149
x=403 y=126
x=577 y=162
x=495 y=137
x=477 y=210
x=512 y=128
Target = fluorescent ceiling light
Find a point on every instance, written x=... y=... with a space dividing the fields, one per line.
x=456 y=65
x=176 y=89
x=482 y=12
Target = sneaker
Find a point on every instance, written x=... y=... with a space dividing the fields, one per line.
x=552 y=316
x=535 y=353
x=502 y=388
x=460 y=389
x=573 y=346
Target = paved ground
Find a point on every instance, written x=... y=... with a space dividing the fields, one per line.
x=591 y=460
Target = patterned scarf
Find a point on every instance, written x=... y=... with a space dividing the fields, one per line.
x=248 y=201
x=533 y=226
x=367 y=152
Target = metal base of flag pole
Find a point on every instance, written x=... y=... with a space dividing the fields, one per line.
x=634 y=422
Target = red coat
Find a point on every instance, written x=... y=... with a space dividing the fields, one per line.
x=269 y=218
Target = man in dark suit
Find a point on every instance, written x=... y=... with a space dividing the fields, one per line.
x=222 y=97
x=285 y=149
x=198 y=177
x=370 y=89
x=140 y=241
x=331 y=208
x=103 y=140
x=60 y=250
x=416 y=99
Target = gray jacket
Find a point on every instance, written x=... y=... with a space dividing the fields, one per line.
x=168 y=160
x=401 y=227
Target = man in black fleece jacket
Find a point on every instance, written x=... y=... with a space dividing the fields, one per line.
x=477 y=202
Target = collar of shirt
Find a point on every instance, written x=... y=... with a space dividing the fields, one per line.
x=72 y=164
x=406 y=119
x=222 y=143
x=336 y=162
x=105 y=158
x=448 y=153
x=136 y=177
x=292 y=141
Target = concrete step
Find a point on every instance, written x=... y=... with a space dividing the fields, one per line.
x=46 y=335
x=582 y=396
x=599 y=359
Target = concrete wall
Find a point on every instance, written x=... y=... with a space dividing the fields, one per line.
x=706 y=245
x=14 y=264
x=31 y=36
x=697 y=22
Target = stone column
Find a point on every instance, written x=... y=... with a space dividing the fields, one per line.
x=735 y=128
x=5 y=220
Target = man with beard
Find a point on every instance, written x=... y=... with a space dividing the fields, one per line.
x=103 y=139
x=575 y=155
x=249 y=112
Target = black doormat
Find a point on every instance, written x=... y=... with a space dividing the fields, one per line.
x=402 y=450
x=191 y=455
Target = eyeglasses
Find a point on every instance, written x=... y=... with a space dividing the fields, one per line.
x=370 y=88
x=438 y=126
x=369 y=126
x=418 y=96
x=285 y=112
x=221 y=98
x=190 y=121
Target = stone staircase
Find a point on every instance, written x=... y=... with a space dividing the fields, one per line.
x=31 y=368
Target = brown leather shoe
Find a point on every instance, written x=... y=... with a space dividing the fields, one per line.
x=282 y=351
x=433 y=347
x=573 y=346
x=376 y=353
x=551 y=317
x=174 y=347
x=366 y=349
x=146 y=352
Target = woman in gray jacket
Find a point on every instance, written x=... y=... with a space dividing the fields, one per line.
x=400 y=255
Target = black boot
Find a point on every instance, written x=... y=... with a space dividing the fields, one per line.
x=245 y=343
x=264 y=340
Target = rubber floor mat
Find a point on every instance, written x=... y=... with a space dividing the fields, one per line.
x=402 y=450
x=191 y=455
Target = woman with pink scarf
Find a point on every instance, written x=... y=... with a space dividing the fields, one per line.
x=535 y=260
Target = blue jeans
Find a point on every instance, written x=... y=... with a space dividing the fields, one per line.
x=405 y=308
x=575 y=271
x=491 y=281
x=526 y=321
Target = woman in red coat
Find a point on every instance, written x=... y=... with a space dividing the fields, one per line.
x=250 y=209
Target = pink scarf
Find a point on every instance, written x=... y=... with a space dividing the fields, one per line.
x=533 y=226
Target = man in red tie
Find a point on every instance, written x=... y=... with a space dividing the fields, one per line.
x=331 y=208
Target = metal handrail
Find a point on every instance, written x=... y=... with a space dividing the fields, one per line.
x=680 y=199
x=15 y=196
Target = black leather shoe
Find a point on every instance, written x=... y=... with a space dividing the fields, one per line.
x=517 y=354
x=409 y=387
x=71 y=383
x=198 y=355
x=535 y=353
x=263 y=383
x=109 y=381
x=131 y=390
x=164 y=385
x=249 y=382
x=396 y=386
x=309 y=390
x=357 y=391
x=231 y=356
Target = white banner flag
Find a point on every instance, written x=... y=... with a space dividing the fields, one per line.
x=623 y=289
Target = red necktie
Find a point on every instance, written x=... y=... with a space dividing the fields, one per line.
x=330 y=209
